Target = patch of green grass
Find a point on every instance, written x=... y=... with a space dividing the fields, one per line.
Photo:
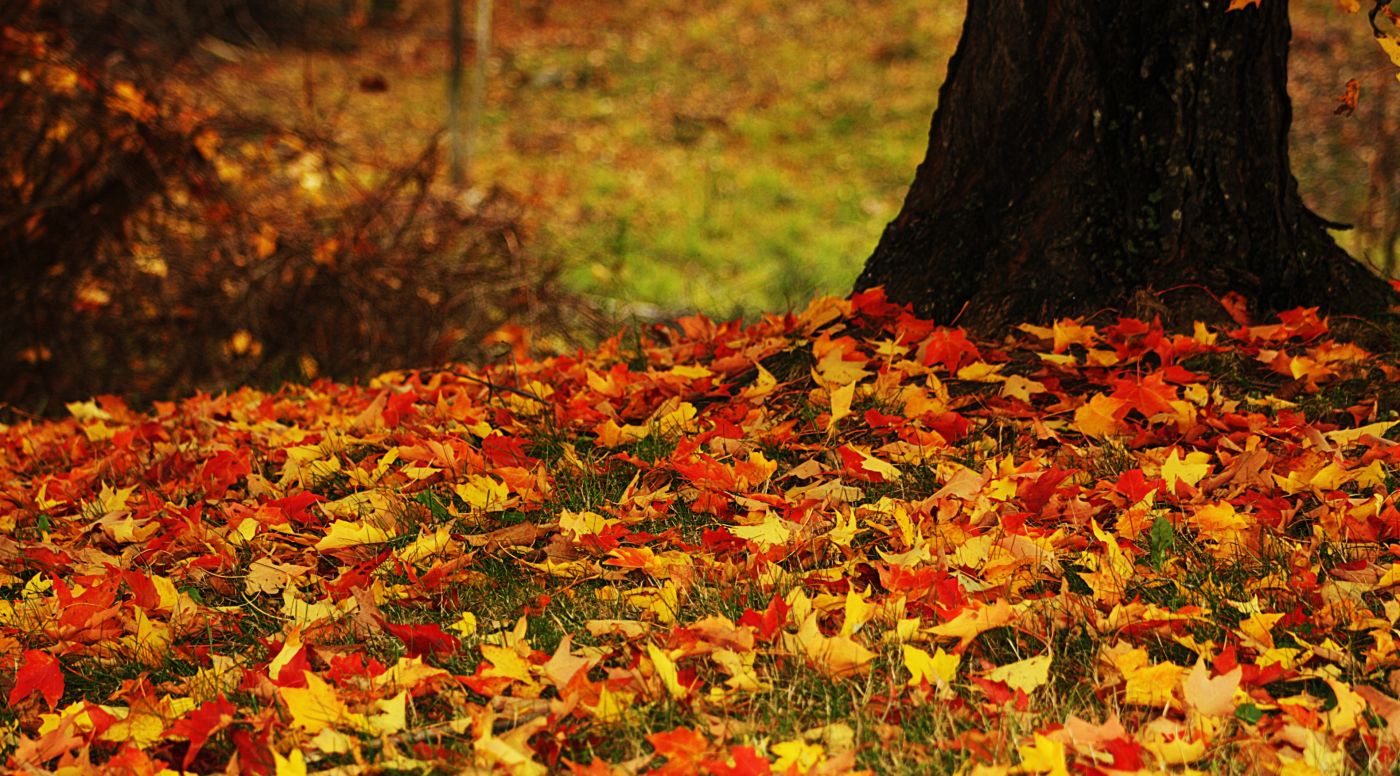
x=727 y=157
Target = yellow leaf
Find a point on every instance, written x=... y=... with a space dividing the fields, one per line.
x=1024 y=675
x=581 y=524
x=1018 y=387
x=465 y=624
x=505 y=663
x=142 y=726
x=835 y=656
x=393 y=714
x=857 y=610
x=483 y=493
x=690 y=371
x=937 y=669
x=512 y=759
x=1171 y=743
x=427 y=545
x=317 y=707
x=1070 y=332
x=666 y=671
x=86 y=411
x=407 y=674
x=772 y=532
x=681 y=420
x=1257 y=627
x=343 y=533
x=611 y=435
x=1219 y=522
x=291 y=765
x=1391 y=47
x=1191 y=470
x=797 y=756
x=742 y=675
x=1343 y=718
x=980 y=372
x=111 y=500
x=1044 y=756
x=612 y=706
x=420 y=472
x=840 y=404
x=1147 y=685
x=761 y=387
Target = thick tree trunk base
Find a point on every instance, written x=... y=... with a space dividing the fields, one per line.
x=1094 y=156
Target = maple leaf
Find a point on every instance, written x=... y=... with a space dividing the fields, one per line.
x=1099 y=417
x=1044 y=755
x=771 y=531
x=838 y=656
x=937 y=669
x=797 y=756
x=1190 y=470
x=201 y=723
x=344 y=533
x=563 y=666
x=665 y=669
x=683 y=749
x=742 y=761
x=39 y=672
x=317 y=706
x=1211 y=697
x=425 y=639
x=1024 y=675
x=1148 y=684
x=1236 y=5
x=973 y=621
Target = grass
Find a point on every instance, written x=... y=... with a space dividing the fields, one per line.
x=736 y=156
x=728 y=158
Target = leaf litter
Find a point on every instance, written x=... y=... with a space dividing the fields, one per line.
x=838 y=540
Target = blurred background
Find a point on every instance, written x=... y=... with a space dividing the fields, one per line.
x=197 y=195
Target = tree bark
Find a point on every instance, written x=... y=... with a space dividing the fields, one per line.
x=1094 y=154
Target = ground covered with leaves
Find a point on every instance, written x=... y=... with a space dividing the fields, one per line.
x=837 y=540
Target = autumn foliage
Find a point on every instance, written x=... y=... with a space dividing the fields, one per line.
x=826 y=541
x=157 y=241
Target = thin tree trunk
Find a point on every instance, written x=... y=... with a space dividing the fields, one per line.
x=456 y=42
x=1088 y=154
x=483 y=57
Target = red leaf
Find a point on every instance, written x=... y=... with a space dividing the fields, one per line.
x=768 y=622
x=747 y=762
x=949 y=348
x=40 y=671
x=420 y=640
x=201 y=723
x=682 y=749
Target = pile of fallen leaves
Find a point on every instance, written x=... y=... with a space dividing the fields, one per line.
x=828 y=541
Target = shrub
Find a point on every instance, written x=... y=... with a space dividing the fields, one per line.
x=153 y=248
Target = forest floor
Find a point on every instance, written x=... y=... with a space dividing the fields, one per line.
x=735 y=158
x=738 y=157
x=829 y=542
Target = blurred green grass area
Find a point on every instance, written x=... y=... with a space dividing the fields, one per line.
x=739 y=157
x=731 y=156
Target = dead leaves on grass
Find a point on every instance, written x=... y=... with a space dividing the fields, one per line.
x=1079 y=523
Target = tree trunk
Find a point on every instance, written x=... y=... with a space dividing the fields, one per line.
x=1094 y=154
